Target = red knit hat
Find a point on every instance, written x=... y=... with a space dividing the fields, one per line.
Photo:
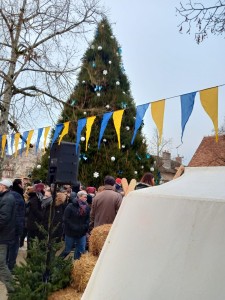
x=91 y=190
x=118 y=180
x=39 y=187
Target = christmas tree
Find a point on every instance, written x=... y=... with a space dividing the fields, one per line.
x=103 y=87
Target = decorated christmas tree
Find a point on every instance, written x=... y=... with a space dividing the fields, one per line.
x=102 y=96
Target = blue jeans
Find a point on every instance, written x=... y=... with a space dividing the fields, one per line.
x=78 y=243
x=5 y=275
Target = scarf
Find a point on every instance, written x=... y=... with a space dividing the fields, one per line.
x=82 y=208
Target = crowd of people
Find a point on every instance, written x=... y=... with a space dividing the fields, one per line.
x=68 y=212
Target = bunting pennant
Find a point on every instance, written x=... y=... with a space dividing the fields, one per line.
x=40 y=130
x=12 y=141
x=16 y=138
x=45 y=135
x=24 y=139
x=65 y=131
x=104 y=123
x=30 y=134
x=80 y=125
x=117 y=118
x=187 y=104
x=58 y=129
x=209 y=100
x=141 y=110
x=157 y=109
x=4 y=137
x=89 y=124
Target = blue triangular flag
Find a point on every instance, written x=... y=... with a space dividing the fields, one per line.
x=187 y=104
x=141 y=109
x=104 y=123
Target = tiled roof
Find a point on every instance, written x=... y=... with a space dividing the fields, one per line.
x=209 y=153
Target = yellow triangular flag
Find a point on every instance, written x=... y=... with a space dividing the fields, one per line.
x=30 y=134
x=45 y=135
x=209 y=100
x=4 y=137
x=89 y=124
x=157 y=109
x=16 y=139
x=117 y=119
x=64 y=132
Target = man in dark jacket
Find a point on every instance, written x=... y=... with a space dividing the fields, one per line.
x=7 y=229
x=17 y=191
x=76 y=221
x=105 y=205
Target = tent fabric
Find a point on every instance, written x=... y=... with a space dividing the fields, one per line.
x=167 y=242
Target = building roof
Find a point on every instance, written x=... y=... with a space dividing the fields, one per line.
x=209 y=152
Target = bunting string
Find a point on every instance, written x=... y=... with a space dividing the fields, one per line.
x=208 y=100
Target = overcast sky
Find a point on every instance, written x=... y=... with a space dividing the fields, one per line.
x=162 y=63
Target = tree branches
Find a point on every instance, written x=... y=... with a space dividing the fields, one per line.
x=38 y=51
x=207 y=19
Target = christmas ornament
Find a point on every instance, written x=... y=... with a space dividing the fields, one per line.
x=97 y=88
x=148 y=155
x=84 y=112
x=98 y=94
x=124 y=93
x=123 y=146
x=104 y=140
x=93 y=64
x=110 y=62
x=92 y=47
x=82 y=138
x=96 y=174
x=73 y=102
x=113 y=158
x=144 y=141
x=105 y=72
x=83 y=81
x=112 y=36
x=127 y=128
x=83 y=156
x=117 y=83
x=107 y=106
x=99 y=47
x=138 y=156
x=123 y=104
x=152 y=169
x=103 y=25
x=142 y=167
x=119 y=50
x=135 y=172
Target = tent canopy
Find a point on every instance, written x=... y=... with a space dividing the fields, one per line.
x=167 y=242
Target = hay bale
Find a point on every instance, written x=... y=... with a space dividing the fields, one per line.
x=66 y=294
x=97 y=238
x=81 y=271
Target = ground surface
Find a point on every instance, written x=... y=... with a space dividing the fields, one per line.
x=21 y=256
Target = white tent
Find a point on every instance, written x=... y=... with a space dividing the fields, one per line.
x=167 y=243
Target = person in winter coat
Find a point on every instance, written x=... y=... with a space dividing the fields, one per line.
x=57 y=214
x=105 y=204
x=7 y=229
x=35 y=213
x=76 y=220
x=13 y=248
x=146 y=181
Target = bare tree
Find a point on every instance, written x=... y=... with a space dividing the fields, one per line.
x=38 y=47
x=207 y=19
x=157 y=148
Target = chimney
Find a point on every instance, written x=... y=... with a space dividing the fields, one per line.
x=166 y=159
x=179 y=159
